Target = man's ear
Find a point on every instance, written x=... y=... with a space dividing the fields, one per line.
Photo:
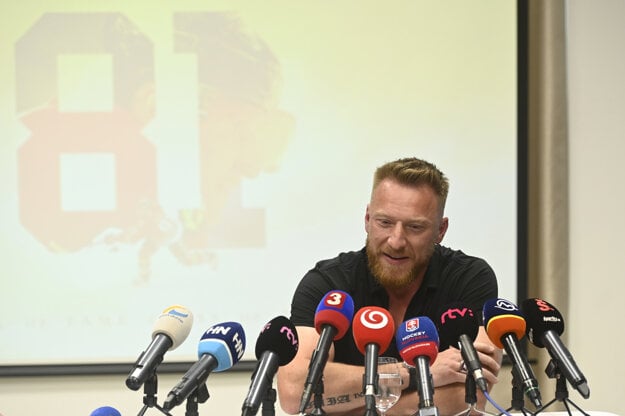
x=442 y=229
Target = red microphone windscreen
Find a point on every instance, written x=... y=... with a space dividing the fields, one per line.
x=337 y=310
x=373 y=325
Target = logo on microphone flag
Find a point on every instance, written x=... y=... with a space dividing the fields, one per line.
x=412 y=325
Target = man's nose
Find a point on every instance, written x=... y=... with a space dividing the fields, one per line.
x=397 y=239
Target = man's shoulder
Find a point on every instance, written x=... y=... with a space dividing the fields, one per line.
x=340 y=272
x=449 y=256
x=346 y=260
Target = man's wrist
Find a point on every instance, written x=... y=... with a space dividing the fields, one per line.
x=412 y=378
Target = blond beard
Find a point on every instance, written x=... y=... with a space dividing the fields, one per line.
x=390 y=278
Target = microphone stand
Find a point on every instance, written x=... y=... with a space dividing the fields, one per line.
x=269 y=400
x=149 y=396
x=370 y=378
x=425 y=388
x=470 y=397
x=317 y=394
x=199 y=395
x=562 y=393
x=317 y=400
x=427 y=411
x=517 y=402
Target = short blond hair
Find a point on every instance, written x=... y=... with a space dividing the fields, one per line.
x=412 y=171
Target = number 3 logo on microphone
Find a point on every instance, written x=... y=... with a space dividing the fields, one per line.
x=334 y=299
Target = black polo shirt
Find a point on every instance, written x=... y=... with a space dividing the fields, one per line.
x=452 y=276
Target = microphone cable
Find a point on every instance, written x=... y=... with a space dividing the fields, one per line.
x=500 y=409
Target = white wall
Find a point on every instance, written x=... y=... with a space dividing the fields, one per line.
x=596 y=73
x=594 y=325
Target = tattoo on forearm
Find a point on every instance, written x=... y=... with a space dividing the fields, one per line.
x=332 y=401
x=344 y=398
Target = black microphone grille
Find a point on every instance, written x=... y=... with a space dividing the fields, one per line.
x=541 y=316
x=280 y=336
x=457 y=319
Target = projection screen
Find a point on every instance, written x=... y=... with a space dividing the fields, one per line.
x=209 y=153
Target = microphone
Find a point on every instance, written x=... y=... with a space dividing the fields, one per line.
x=170 y=330
x=105 y=411
x=373 y=329
x=545 y=325
x=417 y=342
x=459 y=327
x=276 y=346
x=220 y=347
x=505 y=326
x=332 y=320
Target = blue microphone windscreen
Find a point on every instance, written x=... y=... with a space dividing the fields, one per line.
x=502 y=317
x=335 y=309
x=224 y=341
x=496 y=307
x=105 y=411
x=417 y=337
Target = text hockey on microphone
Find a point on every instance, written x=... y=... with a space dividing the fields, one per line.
x=417 y=341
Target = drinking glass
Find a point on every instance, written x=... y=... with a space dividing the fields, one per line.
x=389 y=384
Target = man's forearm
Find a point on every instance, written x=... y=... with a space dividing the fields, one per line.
x=343 y=394
x=342 y=388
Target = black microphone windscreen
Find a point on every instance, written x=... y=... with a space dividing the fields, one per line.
x=541 y=316
x=279 y=336
x=457 y=319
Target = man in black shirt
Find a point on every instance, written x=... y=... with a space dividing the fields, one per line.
x=404 y=269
